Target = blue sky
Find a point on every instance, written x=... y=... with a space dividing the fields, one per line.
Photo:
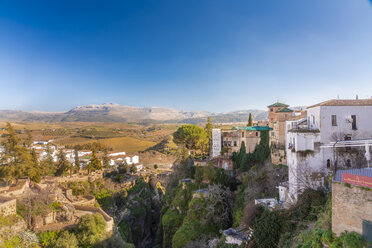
x=191 y=54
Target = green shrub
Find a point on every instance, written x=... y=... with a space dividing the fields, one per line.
x=309 y=205
x=67 y=240
x=125 y=232
x=337 y=243
x=171 y=221
x=286 y=240
x=327 y=237
x=14 y=242
x=352 y=240
x=187 y=232
x=266 y=229
x=48 y=239
x=90 y=229
x=316 y=239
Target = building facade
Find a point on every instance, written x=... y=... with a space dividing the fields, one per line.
x=318 y=144
x=227 y=141
x=279 y=113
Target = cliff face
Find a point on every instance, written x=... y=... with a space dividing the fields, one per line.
x=138 y=212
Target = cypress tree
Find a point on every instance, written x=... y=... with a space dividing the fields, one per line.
x=105 y=159
x=250 y=122
x=77 y=161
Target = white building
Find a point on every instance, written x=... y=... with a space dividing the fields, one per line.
x=116 y=154
x=216 y=143
x=309 y=151
x=135 y=159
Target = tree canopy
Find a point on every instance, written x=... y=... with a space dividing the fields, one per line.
x=191 y=136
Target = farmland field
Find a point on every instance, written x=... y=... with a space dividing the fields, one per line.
x=131 y=138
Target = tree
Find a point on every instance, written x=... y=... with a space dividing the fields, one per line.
x=105 y=159
x=208 y=128
x=90 y=229
x=209 y=172
x=34 y=167
x=77 y=160
x=47 y=163
x=198 y=175
x=28 y=140
x=250 y=122
x=240 y=158
x=94 y=163
x=133 y=169
x=16 y=160
x=123 y=168
x=63 y=164
x=266 y=229
x=67 y=240
x=191 y=136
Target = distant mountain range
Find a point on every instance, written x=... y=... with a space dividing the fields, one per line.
x=110 y=112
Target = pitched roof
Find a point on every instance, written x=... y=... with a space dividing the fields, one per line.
x=278 y=104
x=254 y=128
x=285 y=110
x=345 y=102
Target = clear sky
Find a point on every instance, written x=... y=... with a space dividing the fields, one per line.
x=215 y=55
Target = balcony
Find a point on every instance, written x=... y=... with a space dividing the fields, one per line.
x=304 y=130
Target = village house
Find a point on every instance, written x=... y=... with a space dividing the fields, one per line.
x=333 y=135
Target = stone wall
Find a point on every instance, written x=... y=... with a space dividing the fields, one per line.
x=8 y=206
x=350 y=206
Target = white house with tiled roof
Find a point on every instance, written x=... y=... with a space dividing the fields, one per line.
x=309 y=151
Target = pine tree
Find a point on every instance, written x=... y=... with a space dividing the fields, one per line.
x=16 y=160
x=94 y=163
x=63 y=164
x=250 y=122
x=77 y=161
x=47 y=164
x=28 y=141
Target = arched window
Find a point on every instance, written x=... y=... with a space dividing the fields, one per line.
x=328 y=163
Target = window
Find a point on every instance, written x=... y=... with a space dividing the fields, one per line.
x=334 y=120
x=354 y=125
x=328 y=163
x=256 y=133
x=235 y=144
x=271 y=109
x=243 y=134
x=313 y=119
x=348 y=163
x=272 y=133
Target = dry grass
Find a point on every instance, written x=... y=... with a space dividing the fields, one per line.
x=127 y=144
